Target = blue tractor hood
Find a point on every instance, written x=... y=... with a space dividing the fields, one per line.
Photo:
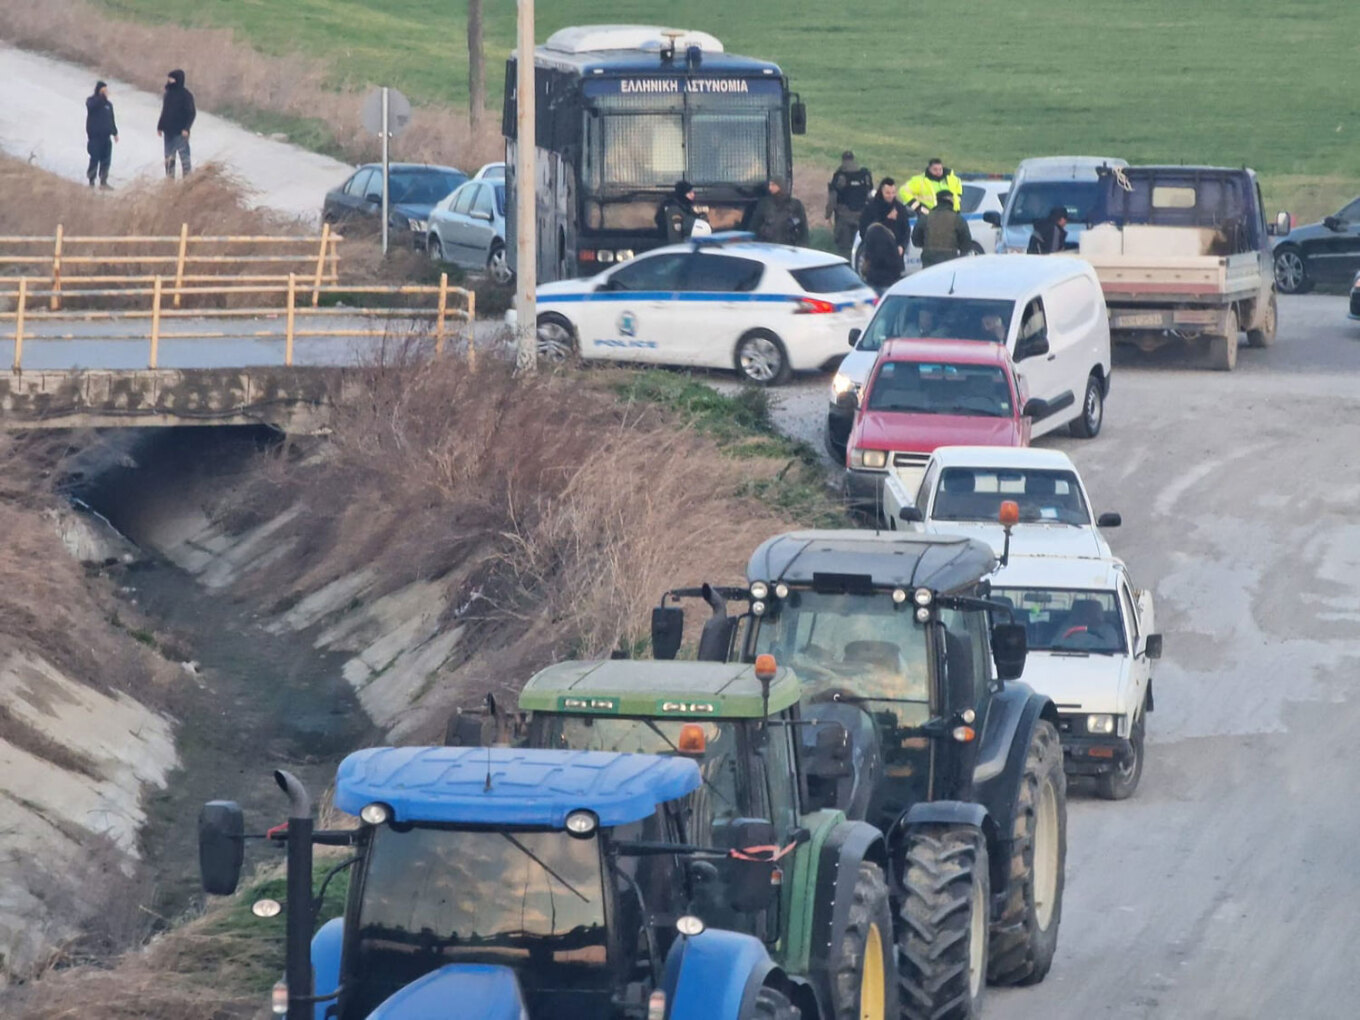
x=480 y=990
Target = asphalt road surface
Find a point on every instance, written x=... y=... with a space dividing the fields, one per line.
x=1227 y=887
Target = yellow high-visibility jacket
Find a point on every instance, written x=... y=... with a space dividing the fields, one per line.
x=923 y=189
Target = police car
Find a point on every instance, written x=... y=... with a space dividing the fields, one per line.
x=982 y=194
x=722 y=301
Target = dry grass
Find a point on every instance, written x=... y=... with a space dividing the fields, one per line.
x=227 y=75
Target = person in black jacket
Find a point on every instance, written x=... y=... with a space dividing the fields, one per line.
x=1050 y=233
x=880 y=258
x=676 y=216
x=779 y=218
x=101 y=131
x=177 y=117
x=885 y=208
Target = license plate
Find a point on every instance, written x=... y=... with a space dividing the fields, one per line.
x=1140 y=319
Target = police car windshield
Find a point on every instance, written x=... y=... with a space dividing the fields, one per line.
x=1066 y=620
x=911 y=387
x=1036 y=200
x=943 y=318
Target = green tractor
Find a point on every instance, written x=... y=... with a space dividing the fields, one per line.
x=907 y=721
x=830 y=928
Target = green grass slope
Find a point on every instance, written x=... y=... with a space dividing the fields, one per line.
x=1222 y=81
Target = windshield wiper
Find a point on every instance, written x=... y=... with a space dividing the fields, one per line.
x=542 y=864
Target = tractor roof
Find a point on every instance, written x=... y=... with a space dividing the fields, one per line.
x=842 y=560
x=536 y=788
x=644 y=687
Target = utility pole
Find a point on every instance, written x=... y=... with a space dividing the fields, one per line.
x=526 y=199
x=476 y=67
x=386 y=135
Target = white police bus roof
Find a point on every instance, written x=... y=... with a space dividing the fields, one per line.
x=597 y=38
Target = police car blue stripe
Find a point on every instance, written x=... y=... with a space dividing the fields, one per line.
x=667 y=295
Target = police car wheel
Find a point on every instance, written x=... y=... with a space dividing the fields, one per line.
x=976 y=249
x=761 y=358
x=556 y=339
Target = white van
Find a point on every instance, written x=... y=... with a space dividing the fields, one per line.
x=1048 y=311
x=1044 y=182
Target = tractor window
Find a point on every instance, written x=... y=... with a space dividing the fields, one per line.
x=967 y=653
x=781 y=780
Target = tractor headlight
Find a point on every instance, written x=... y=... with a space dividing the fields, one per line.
x=922 y=596
x=689 y=925
x=781 y=590
x=581 y=823
x=874 y=460
x=1102 y=725
x=375 y=813
x=760 y=590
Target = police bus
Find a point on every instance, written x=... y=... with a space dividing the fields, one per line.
x=626 y=112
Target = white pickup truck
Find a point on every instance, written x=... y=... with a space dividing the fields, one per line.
x=1091 y=647
x=1183 y=255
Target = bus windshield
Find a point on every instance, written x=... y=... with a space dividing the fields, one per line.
x=652 y=141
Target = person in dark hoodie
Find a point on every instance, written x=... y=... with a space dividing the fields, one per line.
x=101 y=131
x=886 y=208
x=177 y=117
x=1050 y=233
x=880 y=258
x=677 y=215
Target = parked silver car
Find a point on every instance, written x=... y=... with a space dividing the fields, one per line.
x=468 y=229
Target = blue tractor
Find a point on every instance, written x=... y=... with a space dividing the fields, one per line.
x=500 y=884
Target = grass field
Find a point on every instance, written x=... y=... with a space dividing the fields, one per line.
x=1223 y=81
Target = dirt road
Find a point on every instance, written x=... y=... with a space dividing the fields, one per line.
x=42 y=120
x=1226 y=888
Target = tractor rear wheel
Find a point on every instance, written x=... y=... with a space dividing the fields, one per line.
x=772 y=1004
x=942 y=931
x=1025 y=937
x=863 y=979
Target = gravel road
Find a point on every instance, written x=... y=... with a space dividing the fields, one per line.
x=1226 y=886
x=42 y=120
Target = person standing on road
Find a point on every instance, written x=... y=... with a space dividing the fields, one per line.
x=779 y=218
x=1050 y=233
x=881 y=258
x=677 y=215
x=177 y=117
x=846 y=196
x=923 y=189
x=885 y=208
x=101 y=131
x=941 y=234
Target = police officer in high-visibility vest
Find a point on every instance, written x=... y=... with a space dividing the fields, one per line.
x=922 y=189
x=846 y=197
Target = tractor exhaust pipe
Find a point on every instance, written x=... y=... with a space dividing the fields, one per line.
x=297 y=971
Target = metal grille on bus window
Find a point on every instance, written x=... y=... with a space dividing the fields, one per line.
x=647 y=150
x=728 y=148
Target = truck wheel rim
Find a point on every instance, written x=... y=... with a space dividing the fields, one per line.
x=1046 y=854
x=977 y=942
x=871 y=982
x=500 y=268
x=1288 y=270
x=759 y=359
x=1093 y=408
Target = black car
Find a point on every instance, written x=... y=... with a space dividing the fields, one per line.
x=415 y=189
x=1326 y=252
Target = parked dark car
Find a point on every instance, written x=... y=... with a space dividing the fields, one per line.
x=416 y=188
x=1326 y=252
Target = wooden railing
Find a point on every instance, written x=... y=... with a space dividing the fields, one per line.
x=67 y=264
x=330 y=321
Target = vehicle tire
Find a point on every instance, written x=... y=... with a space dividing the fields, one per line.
x=1291 y=272
x=1265 y=336
x=1087 y=424
x=863 y=979
x=834 y=449
x=942 y=939
x=1121 y=782
x=435 y=248
x=1025 y=936
x=1223 y=349
x=556 y=339
x=760 y=358
x=976 y=249
x=498 y=266
x=772 y=1004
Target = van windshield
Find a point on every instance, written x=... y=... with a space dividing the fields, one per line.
x=1036 y=200
x=940 y=318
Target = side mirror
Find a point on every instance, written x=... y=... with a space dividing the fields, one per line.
x=668 y=629
x=854 y=336
x=463 y=729
x=1152 y=647
x=1036 y=408
x=911 y=514
x=221 y=846
x=1033 y=347
x=1109 y=521
x=1331 y=223
x=1283 y=223
x=1010 y=644
x=994 y=218
x=750 y=886
x=798 y=117
x=374 y=197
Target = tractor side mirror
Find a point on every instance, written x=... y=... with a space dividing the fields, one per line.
x=464 y=729
x=750 y=885
x=221 y=846
x=798 y=117
x=1010 y=644
x=911 y=514
x=668 y=630
x=715 y=640
x=854 y=336
x=1152 y=647
x=1109 y=520
x=992 y=217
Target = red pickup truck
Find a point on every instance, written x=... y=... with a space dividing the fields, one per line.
x=923 y=394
